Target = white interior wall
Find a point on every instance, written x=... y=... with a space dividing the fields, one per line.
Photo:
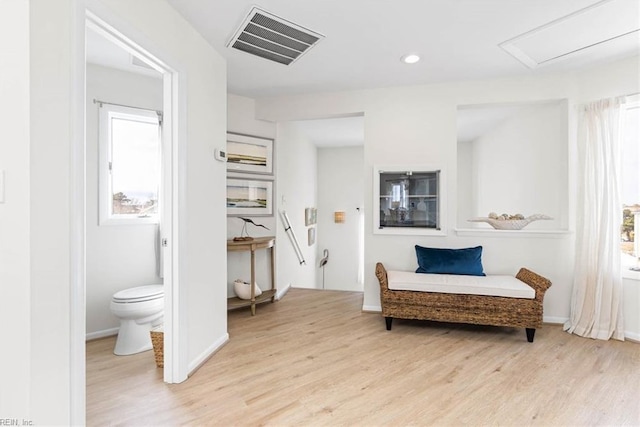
x=55 y=94
x=55 y=32
x=241 y=119
x=118 y=256
x=340 y=188
x=296 y=190
x=520 y=166
x=241 y=112
x=467 y=198
x=411 y=125
x=14 y=210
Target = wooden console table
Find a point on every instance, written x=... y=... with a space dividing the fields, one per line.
x=268 y=242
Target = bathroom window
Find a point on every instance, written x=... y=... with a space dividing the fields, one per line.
x=130 y=162
x=408 y=201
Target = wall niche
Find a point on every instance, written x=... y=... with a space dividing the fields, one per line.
x=513 y=158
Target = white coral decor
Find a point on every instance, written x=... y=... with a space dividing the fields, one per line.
x=243 y=289
x=509 y=222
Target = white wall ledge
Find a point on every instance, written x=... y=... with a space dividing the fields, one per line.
x=490 y=232
x=630 y=274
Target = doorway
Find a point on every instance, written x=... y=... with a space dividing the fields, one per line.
x=160 y=238
x=339 y=231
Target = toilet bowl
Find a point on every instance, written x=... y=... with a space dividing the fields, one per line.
x=139 y=309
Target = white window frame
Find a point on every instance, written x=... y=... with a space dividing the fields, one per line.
x=627 y=273
x=105 y=193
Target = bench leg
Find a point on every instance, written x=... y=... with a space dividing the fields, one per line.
x=530 y=333
x=388 y=321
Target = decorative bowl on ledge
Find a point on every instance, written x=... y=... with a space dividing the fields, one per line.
x=505 y=222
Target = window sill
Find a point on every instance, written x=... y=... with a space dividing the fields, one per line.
x=630 y=274
x=410 y=231
x=490 y=232
x=151 y=220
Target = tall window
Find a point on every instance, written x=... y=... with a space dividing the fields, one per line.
x=130 y=148
x=630 y=191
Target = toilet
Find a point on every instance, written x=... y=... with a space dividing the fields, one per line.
x=139 y=309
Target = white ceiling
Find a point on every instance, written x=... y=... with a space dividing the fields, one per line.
x=364 y=40
x=457 y=39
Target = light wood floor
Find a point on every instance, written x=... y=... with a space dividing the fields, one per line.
x=315 y=359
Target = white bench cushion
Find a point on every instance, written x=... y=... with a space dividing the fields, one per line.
x=497 y=285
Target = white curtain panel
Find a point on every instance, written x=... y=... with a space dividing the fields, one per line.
x=596 y=302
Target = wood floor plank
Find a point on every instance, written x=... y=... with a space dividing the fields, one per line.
x=314 y=358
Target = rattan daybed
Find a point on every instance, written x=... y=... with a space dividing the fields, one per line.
x=466 y=308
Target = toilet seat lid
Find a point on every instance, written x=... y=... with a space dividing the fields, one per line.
x=139 y=293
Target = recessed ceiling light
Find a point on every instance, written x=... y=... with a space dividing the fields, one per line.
x=410 y=58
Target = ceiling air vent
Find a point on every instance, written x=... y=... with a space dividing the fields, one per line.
x=271 y=37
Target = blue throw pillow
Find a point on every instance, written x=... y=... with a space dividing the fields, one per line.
x=467 y=261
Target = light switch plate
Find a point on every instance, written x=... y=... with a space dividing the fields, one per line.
x=220 y=155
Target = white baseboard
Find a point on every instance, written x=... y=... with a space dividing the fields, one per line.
x=555 y=320
x=631 y=336
x=101 y=334
x=205 y=355
x=282 y=292
x=372 y=308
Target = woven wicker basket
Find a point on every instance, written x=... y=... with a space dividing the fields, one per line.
x=157 y=339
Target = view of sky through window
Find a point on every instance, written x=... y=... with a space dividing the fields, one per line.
x=135 y=169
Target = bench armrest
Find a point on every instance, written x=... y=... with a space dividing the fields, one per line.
x=381 y=274
x=538 y=283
